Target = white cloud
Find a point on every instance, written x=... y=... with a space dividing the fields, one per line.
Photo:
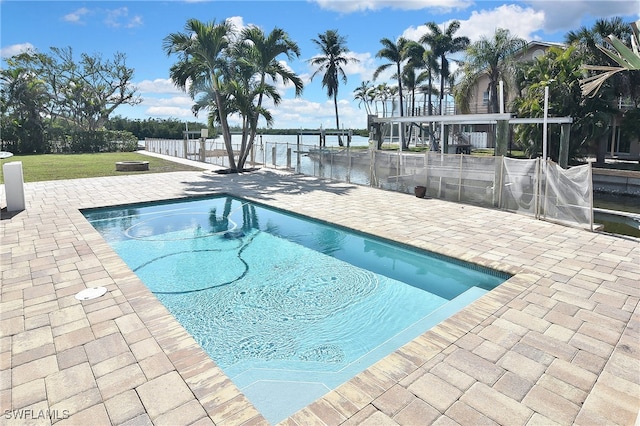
x=303 y=113
x=567 y=15
x=114 y=18
x=117 y=18
x=15 y=49
x=363 y=66
x=520 y=21
x=349 y=6
x=237 y=22
x=169 y=112
x=175 y=101
x=159 y=85
x=76 y=16
x=167 y=107
x=136 y=21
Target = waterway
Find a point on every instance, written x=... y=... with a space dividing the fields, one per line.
x=623 y=203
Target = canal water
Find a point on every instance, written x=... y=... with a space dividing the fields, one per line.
x=619 y=202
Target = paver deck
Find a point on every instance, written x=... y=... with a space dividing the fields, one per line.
x=556 y=344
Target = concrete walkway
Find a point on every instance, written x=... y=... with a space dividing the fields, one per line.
x=556 y=344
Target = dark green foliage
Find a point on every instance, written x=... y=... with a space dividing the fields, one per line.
x=560 y=69
x=56 y=102
x=155 y=128
x=92 y=141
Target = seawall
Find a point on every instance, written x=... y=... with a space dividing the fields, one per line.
x=616 y=181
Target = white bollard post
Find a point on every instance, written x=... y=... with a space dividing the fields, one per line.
x=14 y=186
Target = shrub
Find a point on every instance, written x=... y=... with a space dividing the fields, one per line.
x=93 y=141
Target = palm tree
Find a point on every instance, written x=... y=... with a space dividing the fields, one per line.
x=260 y=52
x=613 y=46
x=596 y=45
x=421 y=62
x=392 y=92
x=421 y=58
x=559 y=69
x=226 y=73
x=395 y=53
x=333 y=57
x=363 y=95
x=381 y=93
x=203 y=66
x=442 y=44
x=491 y=58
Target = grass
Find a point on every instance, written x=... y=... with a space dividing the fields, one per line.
x=37 y=168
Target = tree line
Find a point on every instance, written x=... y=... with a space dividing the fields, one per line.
x=564 y=70
x=170 y=128
x=54 y=102
x=230 y=72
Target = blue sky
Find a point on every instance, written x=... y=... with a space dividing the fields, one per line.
x=137 y=28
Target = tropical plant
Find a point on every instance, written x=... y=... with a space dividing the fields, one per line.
x=612 y=44
x=396 y=54
x=333 y=57
x=362 y=94
x=422 y=59
x=625 y=58
x=260 y=52
x=423 y=65
x=560 y=70
x=226 y=73
x=23 y=124
x=382 y=94
x=63 y=95
x=392 y=94
x=490 y=57
x=443 y=44
x=203 y=70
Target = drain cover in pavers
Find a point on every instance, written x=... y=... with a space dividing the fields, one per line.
x=91 y=293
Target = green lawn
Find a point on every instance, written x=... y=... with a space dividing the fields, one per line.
x=36 y=168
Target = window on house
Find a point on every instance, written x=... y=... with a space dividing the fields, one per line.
x=485 y=98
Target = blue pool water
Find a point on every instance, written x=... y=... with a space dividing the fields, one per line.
x=288 y=307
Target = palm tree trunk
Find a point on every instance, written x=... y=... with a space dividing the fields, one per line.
x=335 y=103
x=493 y=99
x=224 y=123
x=226 y=133
x=254 y=128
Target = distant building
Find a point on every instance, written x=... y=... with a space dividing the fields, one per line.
x=479 y=100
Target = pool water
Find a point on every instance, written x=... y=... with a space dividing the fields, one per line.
x=288 y=307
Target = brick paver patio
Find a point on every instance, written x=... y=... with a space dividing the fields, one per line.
x=559 y=343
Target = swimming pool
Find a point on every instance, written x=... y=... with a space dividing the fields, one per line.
x=288 y=307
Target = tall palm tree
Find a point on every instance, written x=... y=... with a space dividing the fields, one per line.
x=443 y=44
x=331 y=61
x=259 y=52
x=202 y=65
x=432 y=69
x=396 y=54
x=491 y=57
x=423 y=61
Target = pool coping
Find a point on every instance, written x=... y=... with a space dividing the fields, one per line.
x=536 y=329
